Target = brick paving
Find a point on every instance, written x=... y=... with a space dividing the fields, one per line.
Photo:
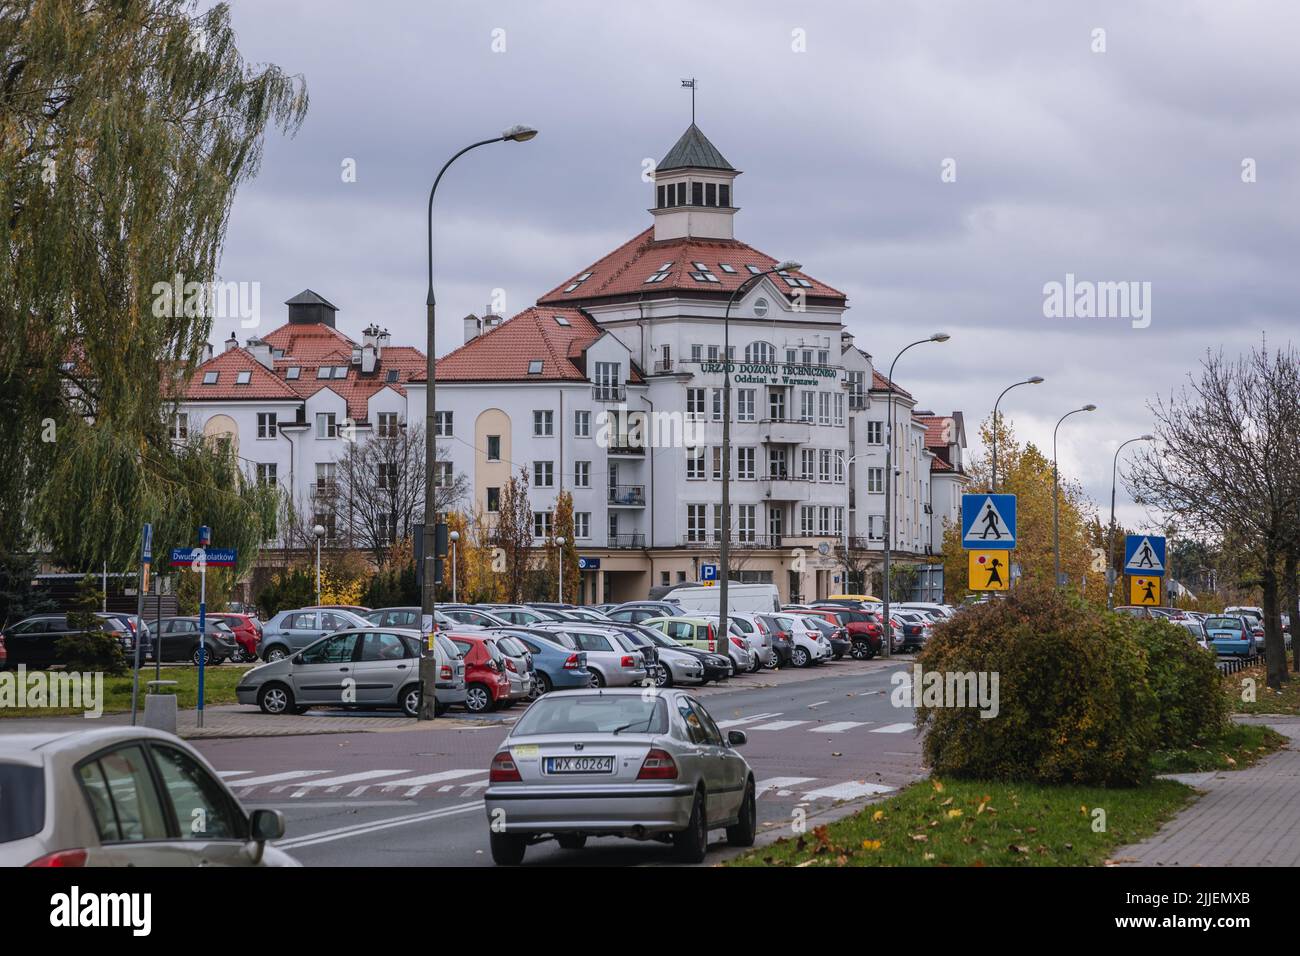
x=1247 y=817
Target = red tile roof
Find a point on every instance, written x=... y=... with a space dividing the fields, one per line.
x=262 y=384
x=625 y=270
x=935 y=426
x=880 y=383
x=503 y=353
x=310 y=344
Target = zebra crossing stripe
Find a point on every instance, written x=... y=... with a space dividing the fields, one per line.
x=781 y=783
x=278 y=777
x=849 y=790
x=838 y=727
x=741 y=721
x=779 y=725
x=893 y=728
x=352 y=778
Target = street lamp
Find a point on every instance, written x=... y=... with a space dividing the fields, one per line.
x=724 y=550
x=428 y=665
x=319 y=532
x=848 y=506
x=1111 y=574
x=453 y=537
x=560 y=541
x=887 y=633
x=1034 y=380
x=1056 y=497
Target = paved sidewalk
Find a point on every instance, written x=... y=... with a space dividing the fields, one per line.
x=1245 y=817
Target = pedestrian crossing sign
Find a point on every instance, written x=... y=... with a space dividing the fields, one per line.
x=1144 y=589
x=989 y=571
x=988 y=522
x=1144 y=554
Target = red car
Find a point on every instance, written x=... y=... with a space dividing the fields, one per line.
x=248 y=633
x=487 y=686
x=862 y=629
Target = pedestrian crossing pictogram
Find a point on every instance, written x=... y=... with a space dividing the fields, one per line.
x=988 y=522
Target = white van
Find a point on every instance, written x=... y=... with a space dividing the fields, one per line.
x=742 y=598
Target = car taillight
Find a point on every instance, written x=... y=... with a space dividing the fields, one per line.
x=572 y=663
x=444 y=672
x=762 y=628
x=61 y=858
x=503 y=769
x=658 y=765
x=738 y=642
x=627 y=661
x=510 y=665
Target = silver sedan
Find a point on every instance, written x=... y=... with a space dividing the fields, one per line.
x=637 y=763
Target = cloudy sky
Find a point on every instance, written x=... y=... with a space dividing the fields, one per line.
x=1122 y=165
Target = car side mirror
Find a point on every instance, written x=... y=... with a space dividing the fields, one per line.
x=263 y=826
x=737 y=738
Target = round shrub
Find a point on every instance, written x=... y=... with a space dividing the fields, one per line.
x=1190 y=703
x=1073 y=701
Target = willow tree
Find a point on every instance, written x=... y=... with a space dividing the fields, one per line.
x=126 y=128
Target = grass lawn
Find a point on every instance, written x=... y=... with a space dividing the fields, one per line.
x=972 y=823
x=1267 y=700
x=1240 y=746
x=218 y=686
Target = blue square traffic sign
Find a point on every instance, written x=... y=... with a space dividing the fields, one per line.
x=988 y=522
x=1144 y=554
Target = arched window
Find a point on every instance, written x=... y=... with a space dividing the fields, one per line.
x=761 y=353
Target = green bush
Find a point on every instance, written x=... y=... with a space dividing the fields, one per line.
x=291 y=589
x=1074 y=703
x=91 y=651
x=1190 y=704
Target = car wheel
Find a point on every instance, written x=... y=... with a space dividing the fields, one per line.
x=275 y=654
x=742 y=833
x=544 y=685
x=691 y=845
x=571 y=841
x=478 y=699
x=663 y=677
x=799 y=657
x=194 y=658
x=507 y=848
x=860 y=651
x=275 y=699
x=411 y=701
x=597 y=680
x=756 y=665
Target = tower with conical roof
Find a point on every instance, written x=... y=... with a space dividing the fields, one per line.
x=694 y=190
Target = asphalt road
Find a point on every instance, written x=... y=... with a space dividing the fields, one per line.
x=818 y=742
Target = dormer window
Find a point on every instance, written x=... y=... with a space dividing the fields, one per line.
x=391 y=376
x=578 y=281
x=292 y=372
x=340 y=371
x=535 y=367
x=210 y=378
x=243 y=378
x=660 y=274
x=325 y=371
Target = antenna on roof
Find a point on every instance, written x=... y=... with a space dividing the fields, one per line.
x=690 y=85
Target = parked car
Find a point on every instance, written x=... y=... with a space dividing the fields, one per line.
x=486 y=685
x=291 y=631
x=33 y=640
x=863 y=630
x=701 y=633
x=1230 y=635
x=756 y=637
x=557 y=662
x=807 y=644
x=124 y=796
x=248 y=634
x=782 y=639
x=639 y=611
x=519 y=668
x=713 y=667
x=833 y=631
x=703 y=601
x=177 y=639
x=611 y=658
x=127 y=623
x=916 y=629
x=355 y=668
x=518 y=614
x=580 y=764
x=591 y=615
x=395 y=617
x=474 y=617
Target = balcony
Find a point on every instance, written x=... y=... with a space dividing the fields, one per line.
x=786 y=487
x=664 y=367
x=609 y=393
x=633 y=540
x=785 y=431
x=742 y=539
x=626 y=451
x=627 y=496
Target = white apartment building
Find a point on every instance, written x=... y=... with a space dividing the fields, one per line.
x=610 y=388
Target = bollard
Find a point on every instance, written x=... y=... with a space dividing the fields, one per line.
x=160 y=708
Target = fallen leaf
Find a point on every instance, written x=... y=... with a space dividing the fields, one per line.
x=920 y=837
x=954 y=813
x=938 y=786
x=871 y=844
x=878 y=815
x=1016 y=848
x=927 y=856
x=946 y=802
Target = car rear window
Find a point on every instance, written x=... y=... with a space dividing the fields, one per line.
x=1223 y=624
x=589 y=713
x=22 y=801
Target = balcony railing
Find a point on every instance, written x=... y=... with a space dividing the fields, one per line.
x=739 y=539
x=663 y=366
x=625 y=450
x=633 y=540
x=609 y=393
x=631 y=496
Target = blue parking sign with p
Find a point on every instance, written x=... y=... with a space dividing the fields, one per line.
x=708 y=572
x=988 y=522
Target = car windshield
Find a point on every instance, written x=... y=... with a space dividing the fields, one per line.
x=22 y=801
x=1223 y=624
x=589 y=713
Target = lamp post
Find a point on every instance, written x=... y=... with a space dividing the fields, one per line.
x=428 y=665
x=453 y=537
x=886 y=630
x=1033 y=380
x=724 y=550
x=1111 y=574
x=560 y=542
x=848 y=506
x=319 y=532
x=1056 y=497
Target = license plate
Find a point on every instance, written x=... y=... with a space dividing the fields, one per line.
x=579 y=765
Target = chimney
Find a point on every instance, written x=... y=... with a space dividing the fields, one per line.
x=373 y=338
x=232 y=342
x=472 y=327
x=205 y=355
x=261 y=351
x=369 y=356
